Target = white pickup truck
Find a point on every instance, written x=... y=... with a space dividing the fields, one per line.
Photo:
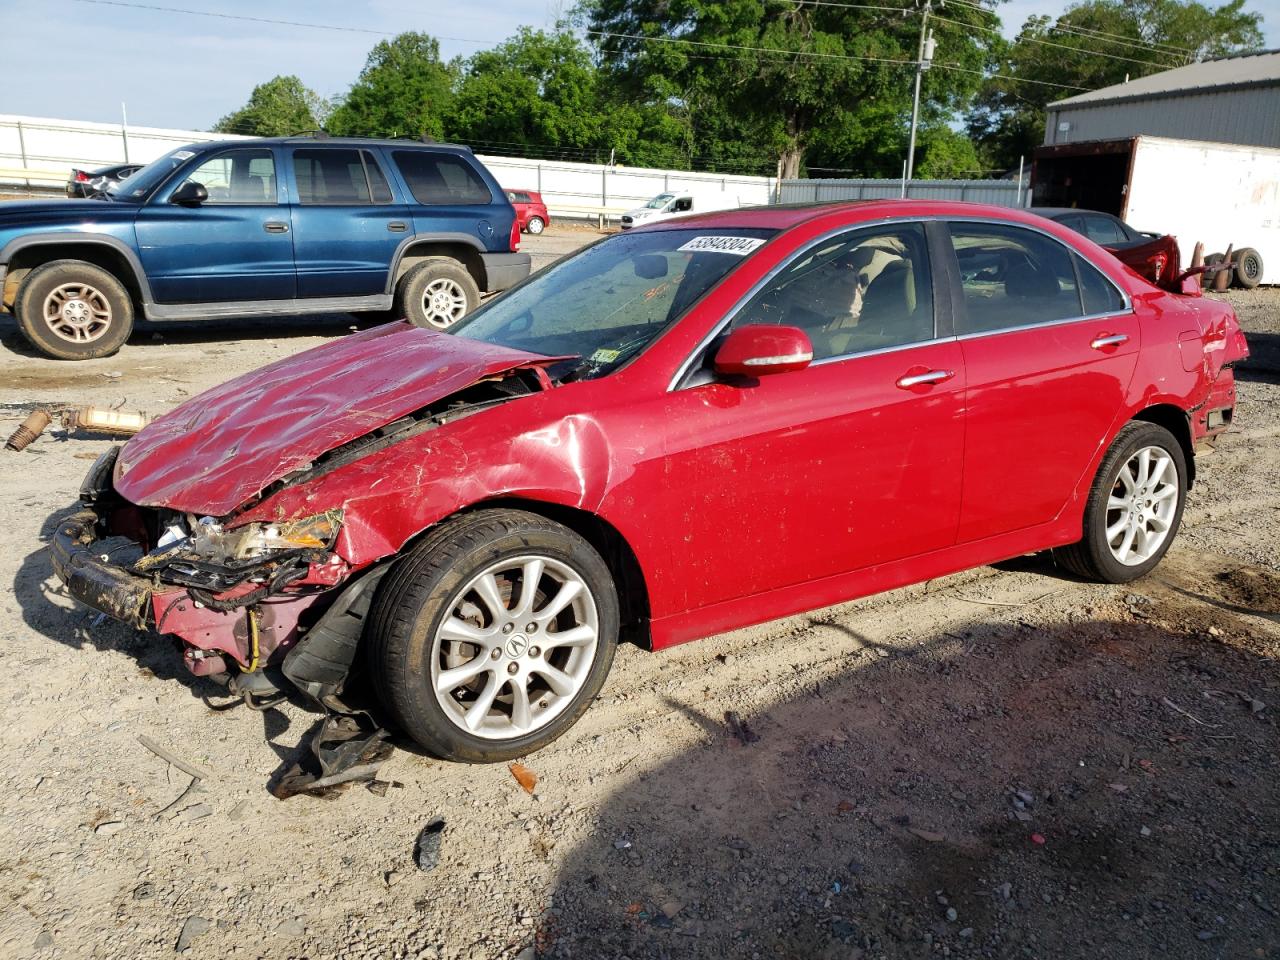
x=677 y=203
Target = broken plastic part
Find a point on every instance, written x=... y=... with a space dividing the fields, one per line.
x=120 y=423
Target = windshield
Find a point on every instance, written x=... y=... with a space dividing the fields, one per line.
x=139 y=186
x=658 y=202
x=605 y=305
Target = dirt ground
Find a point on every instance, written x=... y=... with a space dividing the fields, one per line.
x=1003 y=763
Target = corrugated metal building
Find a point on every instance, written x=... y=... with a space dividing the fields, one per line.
x=1230 y=100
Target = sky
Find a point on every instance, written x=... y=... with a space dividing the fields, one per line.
x=78 y=60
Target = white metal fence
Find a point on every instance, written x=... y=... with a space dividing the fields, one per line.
x=39 y=152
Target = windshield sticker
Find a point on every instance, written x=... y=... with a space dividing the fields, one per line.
x=183 y=154
x=605 y=356
x=738 y=246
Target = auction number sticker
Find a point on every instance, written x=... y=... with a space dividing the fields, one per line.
x=738 y=246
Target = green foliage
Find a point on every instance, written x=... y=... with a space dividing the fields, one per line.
x=1061 y=56
x=277 y=108
x=835 y=65
x=404 y=90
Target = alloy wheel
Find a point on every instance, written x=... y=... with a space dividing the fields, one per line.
x=444 y=302
x=515 y=647
x=77 y=312
x=1141 y=506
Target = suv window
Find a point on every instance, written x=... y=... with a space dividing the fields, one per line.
x=1012 y=277
x=325 y=175
x=1103 y=230
x=863 y=290
x=238 y=176
x=440 y=178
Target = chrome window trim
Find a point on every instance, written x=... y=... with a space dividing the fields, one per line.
x=1127 y=309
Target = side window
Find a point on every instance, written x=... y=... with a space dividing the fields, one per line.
x=516 y=196
x=863 y=290
x=1012 y=277
x=238 y=176
x=682 y=204
x=1103 y=230
x=1099 y=294
x=330 y=176
x=440 y=178
x=377 y=179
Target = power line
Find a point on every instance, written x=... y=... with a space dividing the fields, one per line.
x=745 y=49
x=1061 y=46
x=1116 y=38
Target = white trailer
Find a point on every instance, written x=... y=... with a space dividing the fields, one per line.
x=1220 y=194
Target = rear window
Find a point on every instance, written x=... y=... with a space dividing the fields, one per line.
x=441 y=178
x=519 y=196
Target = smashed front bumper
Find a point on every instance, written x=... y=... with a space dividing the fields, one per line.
x=94 y=580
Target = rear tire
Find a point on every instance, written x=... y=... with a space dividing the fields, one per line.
x=436 y=294
x=535 y=225
x=1248 y=268
x=467 y=662
x=72 y=310
x=1134 y=507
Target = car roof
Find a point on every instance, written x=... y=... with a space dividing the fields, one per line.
x=784 y=216
x=325 y=140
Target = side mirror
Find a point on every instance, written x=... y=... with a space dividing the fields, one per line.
x=190 y=194
x=650 y=266
x=758 y=350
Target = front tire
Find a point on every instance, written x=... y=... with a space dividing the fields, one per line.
x=535 y=225
x=436 y=294
x=1134 y=507
x=493 y=636
x=72 y=310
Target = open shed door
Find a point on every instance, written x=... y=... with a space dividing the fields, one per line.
x=1092 y=175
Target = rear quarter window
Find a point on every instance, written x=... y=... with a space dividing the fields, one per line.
x=441 y=179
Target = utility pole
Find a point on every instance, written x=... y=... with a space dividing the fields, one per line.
x=924 y=57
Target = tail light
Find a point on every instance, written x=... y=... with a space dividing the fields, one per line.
x=1155 y=267
x=514 y=242
x=81 y=176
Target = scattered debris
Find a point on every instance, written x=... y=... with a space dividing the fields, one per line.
x=1037 y=839
x=379 y=787
x=197 y=811
x=144 y=891
x=928 y=836
x=524 y=776
x=109 y=827
x=1190 y=716
x=116 y=423
x=188 y=768
x=739 y=728
x=28 y=430
x=426 y=852
x=193 y=928
x=172 y=807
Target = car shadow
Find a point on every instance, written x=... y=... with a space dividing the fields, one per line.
x=1004 y=790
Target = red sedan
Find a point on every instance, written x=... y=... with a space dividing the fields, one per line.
x=680 y=430
x=531 y=212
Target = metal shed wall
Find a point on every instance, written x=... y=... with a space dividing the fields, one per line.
x=1249 y=116
x=1004 y=193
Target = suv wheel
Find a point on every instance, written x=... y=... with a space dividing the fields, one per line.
x=436 y=294
x=74 y=310
x=493 y=636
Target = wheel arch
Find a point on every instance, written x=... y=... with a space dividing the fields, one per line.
x=1178 y=422
x=418 y=248
x=608 y=541
x=27 y=253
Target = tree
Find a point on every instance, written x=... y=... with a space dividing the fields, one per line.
x=1095 y=44
x=403 y=90
x=277 y=108
x=790 y=75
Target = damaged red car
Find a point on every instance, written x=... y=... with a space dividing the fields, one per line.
x=687 y=428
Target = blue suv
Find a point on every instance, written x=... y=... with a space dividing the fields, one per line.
x=261 y=227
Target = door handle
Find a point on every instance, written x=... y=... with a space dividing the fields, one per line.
x=1109 y=340
x=397 y=226
x=275 y=226
x=920 y=379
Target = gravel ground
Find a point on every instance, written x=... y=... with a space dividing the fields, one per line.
x=1003 y=763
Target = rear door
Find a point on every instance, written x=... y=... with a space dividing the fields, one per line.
x=450 y=196
x=1050 y=345
x=235 y=246
x=346 y=223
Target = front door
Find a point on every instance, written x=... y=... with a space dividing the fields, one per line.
x=235 y=246
x=346 y=225
x=1050 y=345
x=849 y=463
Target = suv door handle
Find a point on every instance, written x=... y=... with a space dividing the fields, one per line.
x=275 y=226
x=397 y=226
x=920 y=379
x=1109 y=340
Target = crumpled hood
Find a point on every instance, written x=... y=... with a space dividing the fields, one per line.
x=224 y=446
